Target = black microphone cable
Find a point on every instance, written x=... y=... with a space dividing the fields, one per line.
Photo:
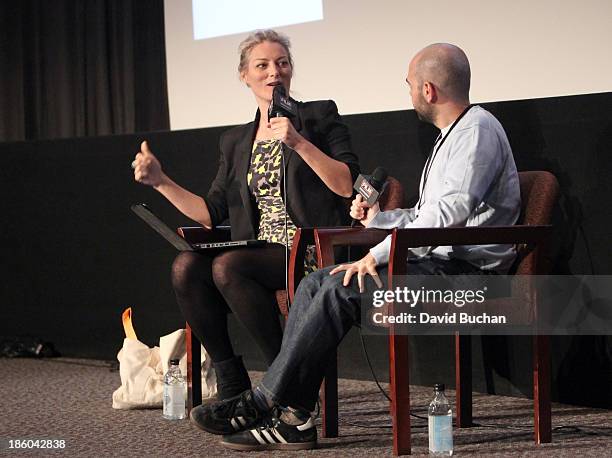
x=281 y=105
x=281 y=151
x=284 y=199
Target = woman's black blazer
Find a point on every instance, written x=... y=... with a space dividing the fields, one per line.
x=309 y=201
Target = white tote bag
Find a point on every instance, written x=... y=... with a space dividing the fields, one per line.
x=142 y=368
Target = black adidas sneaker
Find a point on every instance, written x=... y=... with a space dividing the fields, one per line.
x=229 y=416
x=271 y=433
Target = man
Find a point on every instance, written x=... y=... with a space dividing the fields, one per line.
x=469 y=179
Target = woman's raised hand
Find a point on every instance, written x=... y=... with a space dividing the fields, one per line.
x=147 y=169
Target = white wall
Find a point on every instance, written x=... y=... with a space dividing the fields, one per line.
x=358 y=55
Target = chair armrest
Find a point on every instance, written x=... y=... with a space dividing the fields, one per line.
x=200 y=234
x=328 y=238
x=403 y=239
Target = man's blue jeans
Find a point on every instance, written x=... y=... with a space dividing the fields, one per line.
x=322 y=313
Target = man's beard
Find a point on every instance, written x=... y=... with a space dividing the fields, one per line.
x=425 y=115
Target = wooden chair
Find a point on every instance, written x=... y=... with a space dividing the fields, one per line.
x=539 y=192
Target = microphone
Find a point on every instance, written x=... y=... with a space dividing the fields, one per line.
x=371 y=187
x=281 y=104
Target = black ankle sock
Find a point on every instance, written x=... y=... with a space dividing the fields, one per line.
x=232 y=377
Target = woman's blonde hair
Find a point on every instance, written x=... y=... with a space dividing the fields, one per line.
x=258 y=37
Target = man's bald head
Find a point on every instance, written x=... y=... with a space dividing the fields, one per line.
x=447 y=67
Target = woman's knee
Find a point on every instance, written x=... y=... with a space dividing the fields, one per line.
x=188 y=267
x=226 y=268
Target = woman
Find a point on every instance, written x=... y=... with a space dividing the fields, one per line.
x=320 y=170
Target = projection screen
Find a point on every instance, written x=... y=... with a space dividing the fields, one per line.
x=357 y=51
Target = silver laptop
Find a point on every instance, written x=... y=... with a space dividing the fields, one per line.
x=179 y=242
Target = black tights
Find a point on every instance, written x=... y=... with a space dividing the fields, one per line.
x=241 y=280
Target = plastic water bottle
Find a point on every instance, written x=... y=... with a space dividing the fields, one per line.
x=440 y=424
x=175 y=389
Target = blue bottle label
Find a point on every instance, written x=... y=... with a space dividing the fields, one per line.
x=440 y=433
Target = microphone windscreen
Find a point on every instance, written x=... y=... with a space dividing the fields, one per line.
x=379 y=178
x=279 y=91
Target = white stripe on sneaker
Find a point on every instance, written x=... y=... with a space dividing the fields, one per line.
x=267 y=436
x=309 y=424
x=279 y=436
x=234 y=424
x=257 y=437
x=241 y=420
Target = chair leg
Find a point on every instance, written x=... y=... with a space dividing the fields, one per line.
x=194 y=371
x=541 y=389
x=329 y=399
x=463 y=380
x=400 y=393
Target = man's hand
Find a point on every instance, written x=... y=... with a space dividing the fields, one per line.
x=362 y=212
x=366 y=265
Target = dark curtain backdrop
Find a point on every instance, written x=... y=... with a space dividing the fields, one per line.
x=73 y=68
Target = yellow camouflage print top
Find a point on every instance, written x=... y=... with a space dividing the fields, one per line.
x=264 y=182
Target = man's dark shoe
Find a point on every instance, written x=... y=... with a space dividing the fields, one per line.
x=271 y=433
x=229 y=416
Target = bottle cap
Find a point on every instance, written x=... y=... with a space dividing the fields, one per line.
x=439 y=387
x=174 y=361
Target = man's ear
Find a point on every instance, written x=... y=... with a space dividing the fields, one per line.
x=429 y=92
